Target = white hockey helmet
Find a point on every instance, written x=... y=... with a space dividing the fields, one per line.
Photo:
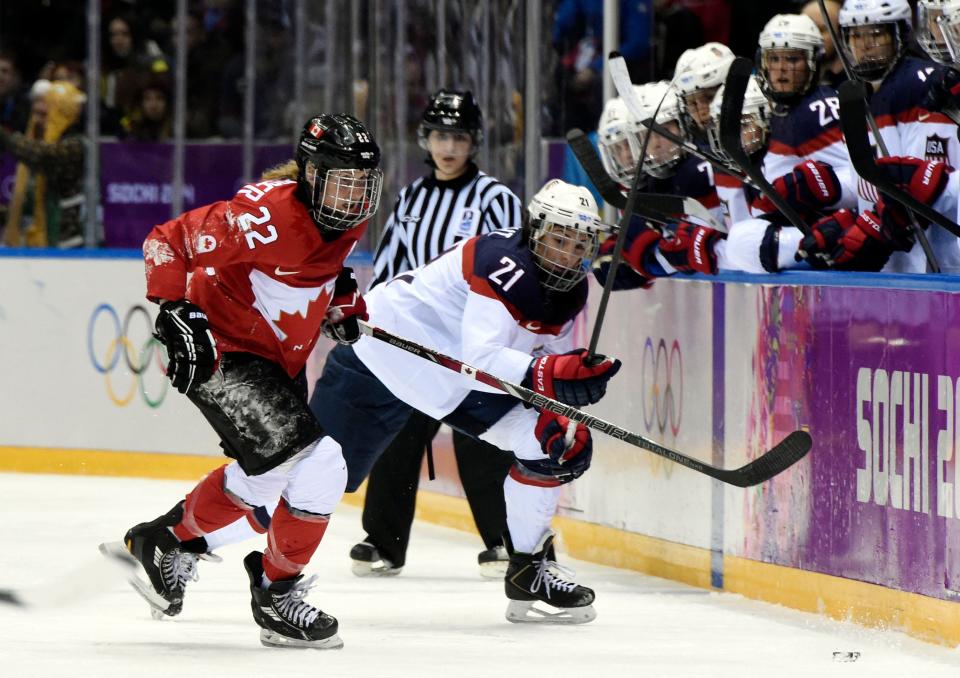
x=619 y=141
x=754 y=120
x=563 y=228
x=873 y=57
x=698 y=74
x=704 y=67
x=929 y=33
x=662 y=156
x=949 y=24
x=787 y=33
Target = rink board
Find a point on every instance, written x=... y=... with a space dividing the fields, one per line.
x=865 y=528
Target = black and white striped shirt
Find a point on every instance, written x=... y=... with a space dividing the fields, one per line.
x=431 y=216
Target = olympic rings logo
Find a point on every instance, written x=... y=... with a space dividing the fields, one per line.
x=108 y=339
x=661 y=380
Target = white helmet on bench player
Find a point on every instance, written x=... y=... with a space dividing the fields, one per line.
x=876 y=34
x=618 y=141
x=929 y=32
x=563 y=228
x=698 y=74
x=789 y=56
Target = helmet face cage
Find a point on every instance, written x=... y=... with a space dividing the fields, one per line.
x=949 y=24
x=787 y=43
x=662 y=156
x=343 y=198
x=562 y=253
x=563 y=234
x=339 y=176
x=618 y=141
x=620 y=154
x=879 y=47
x=929 y=33
x=754 y=120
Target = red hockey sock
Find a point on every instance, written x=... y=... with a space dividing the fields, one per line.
x=291 y=541
x=208 y=508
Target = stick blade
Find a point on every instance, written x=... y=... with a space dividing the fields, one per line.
x=778 y=459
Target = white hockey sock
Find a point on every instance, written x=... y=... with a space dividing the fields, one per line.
x=529 y=512
x=237 y=531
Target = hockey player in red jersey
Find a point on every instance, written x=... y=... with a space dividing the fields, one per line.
x=267 y=278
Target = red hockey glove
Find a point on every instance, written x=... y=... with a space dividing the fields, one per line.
x=626 y=278
x=897 y=227
x=575 y=378
x=811 y=186
x=690 y=249
x=845 y=241
x=638 y=252
x=923 y=179
x=566 y=442
x=183 y=329
x=346 y=308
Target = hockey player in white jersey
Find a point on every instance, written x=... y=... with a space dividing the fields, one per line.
x=876 y=34
x=503 y=302
x=698 y=75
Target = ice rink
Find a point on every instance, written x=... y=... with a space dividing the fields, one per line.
x=436 y=619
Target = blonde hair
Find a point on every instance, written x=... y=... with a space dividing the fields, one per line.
x=285 y=170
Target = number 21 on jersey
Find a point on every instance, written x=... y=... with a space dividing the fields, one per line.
x=508 y=266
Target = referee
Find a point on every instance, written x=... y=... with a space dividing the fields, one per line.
x=453 y=202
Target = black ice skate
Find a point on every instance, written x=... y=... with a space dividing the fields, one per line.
x=284 y=618
x=493 y=562
x=367 y=562
x=535 y=578
x=168 y=563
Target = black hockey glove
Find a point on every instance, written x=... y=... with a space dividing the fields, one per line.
x=184 y=330
x=346 y=308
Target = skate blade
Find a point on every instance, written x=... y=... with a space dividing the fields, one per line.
x=379 y=568
x=270 y=638
x=496 y=569
x=117 y=552
x=537 y=612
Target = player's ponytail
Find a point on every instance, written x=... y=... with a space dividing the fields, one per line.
x=285 y=170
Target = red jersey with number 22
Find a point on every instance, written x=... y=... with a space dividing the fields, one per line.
x=261 y=271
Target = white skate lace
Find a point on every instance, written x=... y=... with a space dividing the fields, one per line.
x=179 y=567
x=292 y=606
x=550 y=574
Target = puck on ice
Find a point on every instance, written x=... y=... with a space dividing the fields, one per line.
x=846 y=656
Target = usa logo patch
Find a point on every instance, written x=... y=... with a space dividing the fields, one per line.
x=936 y=148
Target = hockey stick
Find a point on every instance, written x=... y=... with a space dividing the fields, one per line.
x=867 y=119
x=719 y=164
x=853 y=117
x=661 y=207
x=617 y=253
x=731 y=114
x=780 y=457
x=87 y=581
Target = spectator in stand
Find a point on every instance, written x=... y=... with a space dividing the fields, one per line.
x=73 y=72
x=47 y=201
x=151 y=119
x=128 y=60
x=676 y=29
x=578 y=37
x=14 y=102
x=206 y=54
x=274 y=80
x=833 y=73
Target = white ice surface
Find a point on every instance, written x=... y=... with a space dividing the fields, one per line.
x=438 y=618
